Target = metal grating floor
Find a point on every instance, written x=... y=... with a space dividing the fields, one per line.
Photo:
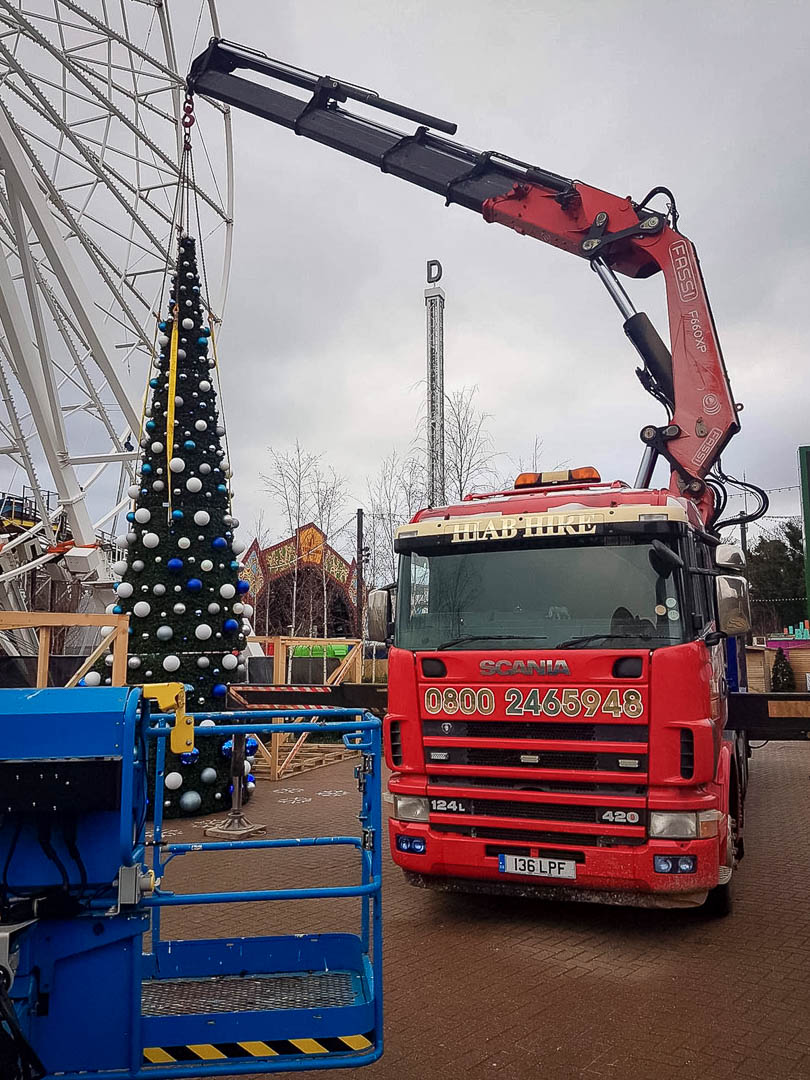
x=233 y=993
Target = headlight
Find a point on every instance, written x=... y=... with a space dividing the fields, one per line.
x=410 y=808
x=680 y=825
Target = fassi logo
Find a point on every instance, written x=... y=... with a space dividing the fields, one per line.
x=524 y=667
x=684 y=268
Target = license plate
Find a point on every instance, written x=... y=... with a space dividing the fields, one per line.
x=522 y=864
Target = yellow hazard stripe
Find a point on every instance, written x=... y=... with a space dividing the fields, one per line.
x=356 y=1042
x=157 y=1056
x=309 y=1046
x=259 y=1049
x=206 y=1051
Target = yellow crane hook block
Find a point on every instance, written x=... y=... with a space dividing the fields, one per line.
x=171 y=697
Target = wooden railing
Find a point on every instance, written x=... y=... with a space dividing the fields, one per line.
x=45 y=621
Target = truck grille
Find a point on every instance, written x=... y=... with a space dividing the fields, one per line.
x=509 y=808
x=578 y=839
x=530 y=759
x=498 y=729
x=549 y=786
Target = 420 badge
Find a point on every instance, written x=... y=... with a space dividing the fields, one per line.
x=568 y=701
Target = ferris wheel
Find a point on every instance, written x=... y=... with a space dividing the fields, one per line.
x=91 y=96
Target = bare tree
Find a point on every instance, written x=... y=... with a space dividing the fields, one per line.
x=469 y=451
x=263 y=533
x=327 y=491
x=289 y=484
x=395 y=493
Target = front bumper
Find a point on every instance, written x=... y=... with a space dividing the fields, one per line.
x=609 y=875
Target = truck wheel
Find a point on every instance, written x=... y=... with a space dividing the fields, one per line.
x=720 y=901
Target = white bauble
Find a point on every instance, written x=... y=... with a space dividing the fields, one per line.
x=164 y=633
x=142 y=515
x=109 y=609
x=173 y=781
x=200 y=425
x=150 y=540
x=179 y=609
x=158 y=486
x=92 y=678
x=229 y=662
x=184 y=543
x=205 y=385
x=171 y=662
x=188 y=324
x=159 y=590
x=237 y=547
x=203 y=662
x=227 y=592
x=247 y=610
x=138 y=565
x=250 y=785
x=203 y=632
x=214 y=609
x=124 y=590
x=205 y=469
x=157 y=448
x=119 y=567
x=240 y=668
x=194 y=484
x=134 y=662
x=108 y=659
x=191 y=802
x=207 y=723
x=133 y=490
x=206 y=565
x=163 y=340
x=220 y=429
x=106 y=630
x=177 y=465
x=141 y=609
x=202 y=517
x=131 y=538
x=208 y=776
x=237 y=608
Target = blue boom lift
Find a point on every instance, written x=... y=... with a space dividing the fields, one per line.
x=80 y=996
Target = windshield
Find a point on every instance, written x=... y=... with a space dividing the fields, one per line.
x=593 y=594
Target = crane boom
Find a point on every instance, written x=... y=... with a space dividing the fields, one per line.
x=615 y=234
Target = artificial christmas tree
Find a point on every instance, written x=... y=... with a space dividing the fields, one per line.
x=783 y=680
x=180 y=583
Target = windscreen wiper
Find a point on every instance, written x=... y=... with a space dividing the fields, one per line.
x=491 y=637
x=572 y=643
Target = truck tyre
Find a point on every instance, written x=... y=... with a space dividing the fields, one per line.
x=720 y=900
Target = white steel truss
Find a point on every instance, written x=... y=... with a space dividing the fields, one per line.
x=90 y=143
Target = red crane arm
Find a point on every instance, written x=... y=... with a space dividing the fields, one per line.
x=617 y=235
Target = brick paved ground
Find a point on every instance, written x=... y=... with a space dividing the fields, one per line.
x=479 y=987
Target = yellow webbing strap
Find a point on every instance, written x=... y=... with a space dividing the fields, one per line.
x=170 y=401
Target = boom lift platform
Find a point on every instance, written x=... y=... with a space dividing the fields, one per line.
x=79 y=996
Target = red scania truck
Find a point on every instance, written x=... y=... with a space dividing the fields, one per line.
x=558 y=679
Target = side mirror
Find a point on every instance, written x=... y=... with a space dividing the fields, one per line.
x=663 y=559
x=730 y=557
x=379 y=614
x=733 y=610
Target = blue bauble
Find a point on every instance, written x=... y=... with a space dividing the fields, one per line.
x=118 y=610
x=202 y=342
x=234 y=565
x=146 y=467
x=154 y=383
x=230 y=625
x=242 y=586
x=219 y=690
x=251 y=779
x=174 y=564
x=227 y=748
x=221 y=487
x=194 y=584
x=206 y=330
x=150 y=425
x=189 y=444
x=190 y=756
x=177 y=514
x=220 y=543
x=131 y=515
x=251 y=745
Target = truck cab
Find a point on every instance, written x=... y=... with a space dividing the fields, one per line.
x=557 y=696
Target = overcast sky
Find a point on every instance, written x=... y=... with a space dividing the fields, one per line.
x=324 y=330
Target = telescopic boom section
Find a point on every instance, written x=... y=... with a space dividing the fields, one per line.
x=617 y=235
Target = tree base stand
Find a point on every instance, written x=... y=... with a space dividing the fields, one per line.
x=235 y=827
